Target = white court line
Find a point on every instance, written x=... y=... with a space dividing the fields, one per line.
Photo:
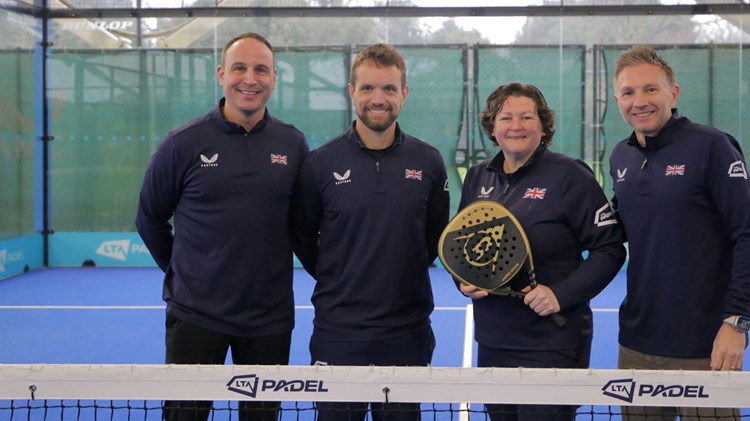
x=595 y=310
x=468 y=336
x=468 y=353
x=152 y=308
x=82 y=307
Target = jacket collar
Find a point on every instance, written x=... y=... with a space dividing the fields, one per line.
x=351 y=133
x=230 y=127
x=496 y=164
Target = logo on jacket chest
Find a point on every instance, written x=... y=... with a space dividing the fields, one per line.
x=409 y=174
x=213 y=161
x=621 y=174
x=279 y=159
x=535 y=193
x=342 y=178
x=675 y=170
x=412 y=174
x=484 y=192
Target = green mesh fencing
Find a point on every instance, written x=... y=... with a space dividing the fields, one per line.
x=115 y=107
x=16 y=143
x=311 y=92
x=432 y=108
x=110 y=109
x=557 y=72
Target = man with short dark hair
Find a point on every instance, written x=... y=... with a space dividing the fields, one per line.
x=227 y=179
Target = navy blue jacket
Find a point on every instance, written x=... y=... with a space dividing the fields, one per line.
x=564 y=212
x=684 y=203
x=229 y=263
x=367 y=230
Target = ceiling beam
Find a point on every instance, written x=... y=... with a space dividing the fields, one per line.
x=399 y=11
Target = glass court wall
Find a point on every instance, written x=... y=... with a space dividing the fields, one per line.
x=90 y=88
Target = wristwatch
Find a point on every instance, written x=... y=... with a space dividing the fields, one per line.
x=741 y=323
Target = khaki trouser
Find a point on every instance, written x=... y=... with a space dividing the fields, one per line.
x=630 y=359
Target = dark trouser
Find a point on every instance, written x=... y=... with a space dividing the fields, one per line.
x=414 y=349
x=566 y=358
x=190 y=344
x=630 y=359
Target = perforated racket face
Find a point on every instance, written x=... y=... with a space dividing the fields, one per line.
x=483 y=245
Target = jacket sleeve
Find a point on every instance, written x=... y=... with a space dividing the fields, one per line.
x=438 y=209
x=729 y=189
x=307 y=211
x=598 y=231
x=157 y=202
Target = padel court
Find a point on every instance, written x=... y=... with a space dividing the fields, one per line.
x=94 y=316
x=116 y=316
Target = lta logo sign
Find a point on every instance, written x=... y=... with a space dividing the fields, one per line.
x=246 y=385
x=250 y=385
x=626 y=390
x=620 y=389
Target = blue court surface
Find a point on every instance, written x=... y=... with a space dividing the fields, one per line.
x=116 y=316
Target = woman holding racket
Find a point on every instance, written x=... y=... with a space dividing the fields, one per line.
x=564 y=213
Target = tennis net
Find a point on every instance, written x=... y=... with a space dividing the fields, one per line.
x=138 y=392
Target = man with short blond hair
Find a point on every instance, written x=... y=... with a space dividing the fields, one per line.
x=682 y=195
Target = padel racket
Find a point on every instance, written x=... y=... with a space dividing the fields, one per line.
x=485 y=246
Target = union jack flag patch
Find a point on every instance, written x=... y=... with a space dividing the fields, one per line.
x=535 y=193
x=278 y=159
x=413 y=174
x=675 y=170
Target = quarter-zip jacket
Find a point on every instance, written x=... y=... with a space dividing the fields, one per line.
x=684 y=202
x=564 y=213
x=229 y=263
x=367 y=228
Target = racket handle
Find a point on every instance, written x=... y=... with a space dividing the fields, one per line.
x=558 y=319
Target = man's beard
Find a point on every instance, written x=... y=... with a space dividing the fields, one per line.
x=378 y=126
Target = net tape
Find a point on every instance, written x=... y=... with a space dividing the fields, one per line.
x=375 y=384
